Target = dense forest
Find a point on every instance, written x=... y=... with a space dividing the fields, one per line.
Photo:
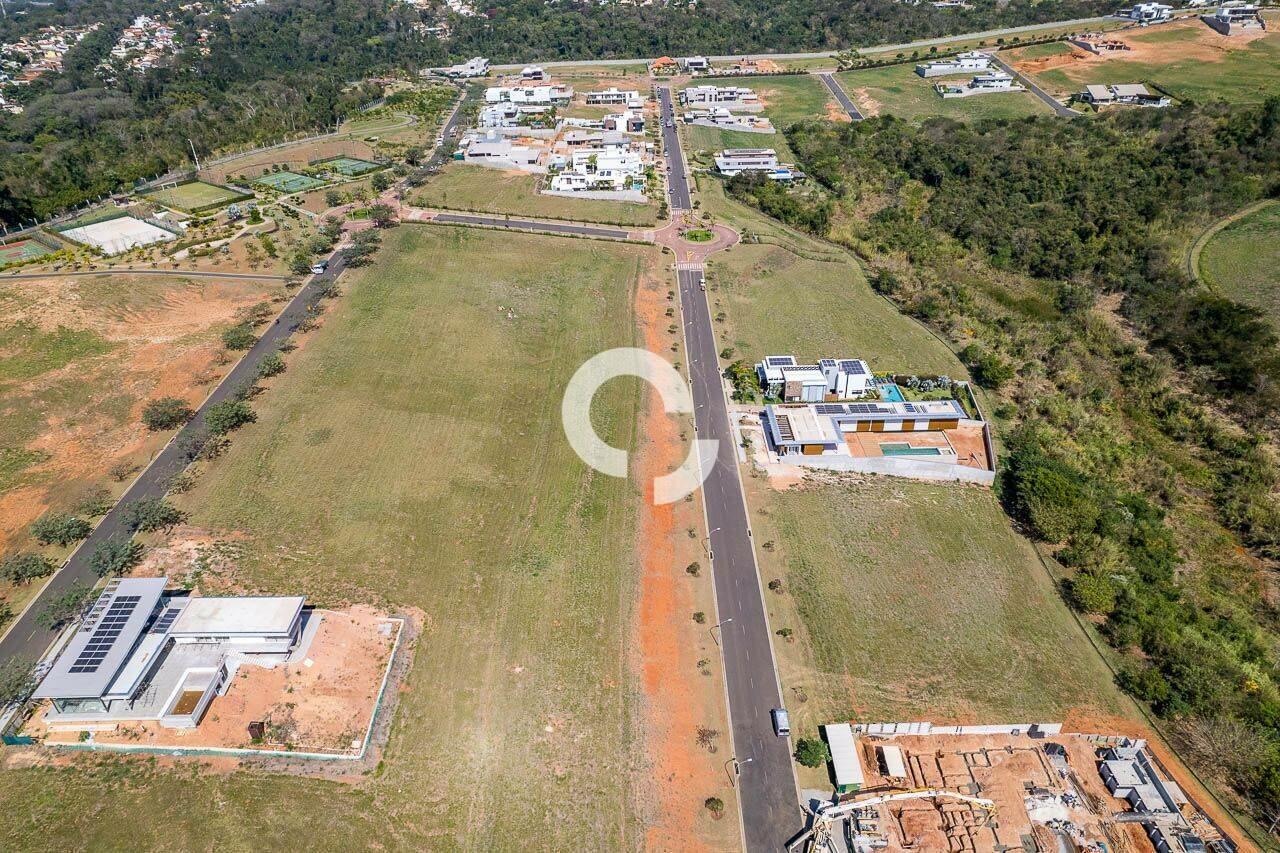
x=1138 y=410
x=289 y=65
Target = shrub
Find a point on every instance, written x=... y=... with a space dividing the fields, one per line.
x=812 y=752
x=57 y=528
x=167 y=412
x=95 y=503
x=17 y=680
x=65 y=607
x=115 y=557
x=228 y=415
x=239 y=337
x=151 y=514
x=20 y=568
x=700 y=617
x=715 y=805
x=693 y=569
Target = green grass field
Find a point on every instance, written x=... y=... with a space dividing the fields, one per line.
x=196 y=195
x=288 y=182
x=464 y=187
x=373 y=474
x=898 y=90
x=1193 y=66
x=917 y=601
x=1243 y=261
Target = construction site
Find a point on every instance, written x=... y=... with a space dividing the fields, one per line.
x=915 y=786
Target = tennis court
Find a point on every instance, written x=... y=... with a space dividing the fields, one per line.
x=350 y=166
x=288 y=182
x=195 y=195
x=21 y=250
x=118 y=234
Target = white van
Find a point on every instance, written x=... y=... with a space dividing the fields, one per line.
x=781 y=722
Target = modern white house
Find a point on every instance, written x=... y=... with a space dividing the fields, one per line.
x=145 y=654
x=1233 y=20
x=1147 y=13
x=600 y=169
x=476 y=66
x=961 y=63
x=734 y=97
x=1131 y=94
x=508 y=114
x=695 y=64
x=726 y=120
x=819 y=429
x=783 y=377
x=532 y=73
x=632 y=121
x=550 y=94
x=501 y=153
x=992 y=82
x=735 y=161
x=615 y=97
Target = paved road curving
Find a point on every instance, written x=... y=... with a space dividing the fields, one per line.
x=843 y=97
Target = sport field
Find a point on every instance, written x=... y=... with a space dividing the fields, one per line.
x=373 y=475
x=477 y=188
x=1187 y=59
x=288 y=182
x=917 y=601
x=350 y=166
x=21 y=250
x=898 y=90
x=1243 y=260
x=193 y=196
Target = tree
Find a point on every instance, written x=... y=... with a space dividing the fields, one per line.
x=20 y=568
x=271 y=365
x=239 y=337
x=715 y=805
x=332 y=198
x=380 y=181
x=17 y=680
x=166 y=413
x=115 y=557
x=222 y=418
x=812 y=752
x=150 y=514
x=64 y=607
x=381 y=215
x=300 y=262
x=59 y=528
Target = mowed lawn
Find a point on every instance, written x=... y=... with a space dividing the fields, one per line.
x=413 y=456
x=1189 y=61
x=917 y=601
x=898 y=90
x=1243 y=261
x=196 y=195
x=478 y=188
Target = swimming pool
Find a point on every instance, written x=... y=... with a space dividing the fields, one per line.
x=891 y=393
x=908 y=450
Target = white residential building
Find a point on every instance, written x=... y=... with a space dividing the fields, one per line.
x=720 y=96
x=476 y=66
x=961 y=63
x=532 y=72
x=695 y=63
x=1231 y=20
x=549 y=94
x=614 y=96
x=734 y=161
x=508 y=114
x=841 y=378
x=1133 y=94
x=1148 y=13
x=607 y=168
x=992 y=82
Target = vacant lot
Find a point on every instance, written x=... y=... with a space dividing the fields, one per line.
x=193 y=196
x=898 y=90
x=78 y=359
x=787 y=99
x=1186 y=59
x=374 y=475
x=917 y=601
x=1243 y=260
x=478 y=188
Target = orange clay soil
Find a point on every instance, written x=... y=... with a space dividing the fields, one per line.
x=163 y=346
x=677 y=698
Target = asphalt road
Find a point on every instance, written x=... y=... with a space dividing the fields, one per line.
x=1053 y=103
x=840 y=95
x=766 y=784
x=26 y=640
x=532 y=225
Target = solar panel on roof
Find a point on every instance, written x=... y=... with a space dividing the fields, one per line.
x=854 y=367
x=780 y=360
x=105 y=633
x=829 y=409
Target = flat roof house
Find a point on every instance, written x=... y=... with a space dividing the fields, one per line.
x=1233 y=20
x=842 y=378
x=613 y=96
x=555 y=93
x=532 y=72
x=737 y=97
x=982 y=84
x=1134 y=94
x=733 y=161
x=476 y=66
x=144 y=654
x=815 y=429
x=1147 y=13
x=961 y=63
x=695 y=63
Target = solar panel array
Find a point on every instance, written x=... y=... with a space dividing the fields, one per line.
x=105 y=634
x=855 y=367
x=829 y=409
x=780 y=360
x=166 y=619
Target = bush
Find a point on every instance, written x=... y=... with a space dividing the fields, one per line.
x=65 y=607
x=150 y=514
x=95 y=503
x=20 y=568
x=17 y=680
x=271 y=365
x=167 y=412
x=812 y=752
x=115 y=557
x=239 y=337
x=222 y=418
x=715 y=805
x=57 y=528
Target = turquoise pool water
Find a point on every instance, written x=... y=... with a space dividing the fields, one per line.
x=891 y=393
x=908 y=450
